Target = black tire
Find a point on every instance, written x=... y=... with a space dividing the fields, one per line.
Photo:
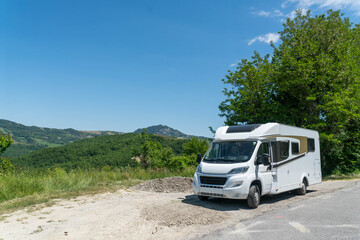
x=203 y=198
x=253 y=199
x=302 y=190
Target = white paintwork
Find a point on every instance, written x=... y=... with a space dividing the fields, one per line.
x=288 y=176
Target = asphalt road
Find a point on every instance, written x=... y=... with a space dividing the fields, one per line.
x=333 y=215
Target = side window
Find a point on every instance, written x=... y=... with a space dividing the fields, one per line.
x=294 y=148
x=275 y=147
x=284 y=150
x=311 y=144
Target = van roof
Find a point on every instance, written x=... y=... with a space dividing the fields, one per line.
x=258 y=131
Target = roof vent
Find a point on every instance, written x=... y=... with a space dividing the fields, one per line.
x=242 y=128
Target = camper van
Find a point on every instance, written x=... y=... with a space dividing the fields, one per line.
x=249 y=161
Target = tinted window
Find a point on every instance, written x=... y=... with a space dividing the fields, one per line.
x=284 y=150
x=264 y=148
x=294 y=148
x=311 y=145
x=275 y=151
x=280 y=151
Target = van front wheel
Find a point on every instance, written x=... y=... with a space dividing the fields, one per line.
x=253 y=199
x=302 y=190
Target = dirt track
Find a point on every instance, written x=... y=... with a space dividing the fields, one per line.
x=134 y=214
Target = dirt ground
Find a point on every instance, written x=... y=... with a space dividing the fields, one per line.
x=158 y=209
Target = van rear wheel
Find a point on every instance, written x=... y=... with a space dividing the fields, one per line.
x=302 y=190
x=253 y=199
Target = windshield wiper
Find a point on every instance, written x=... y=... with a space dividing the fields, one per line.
x=209 y=159
x=219 y=160
x=225 y=160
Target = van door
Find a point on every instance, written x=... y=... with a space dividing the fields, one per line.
x=263 y=167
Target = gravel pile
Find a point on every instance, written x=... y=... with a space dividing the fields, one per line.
x=167 y=185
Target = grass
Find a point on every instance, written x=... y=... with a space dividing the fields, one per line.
x=337 y=175
x=29 y=187
x=342 y=177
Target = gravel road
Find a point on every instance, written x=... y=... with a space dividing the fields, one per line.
x=139 y=214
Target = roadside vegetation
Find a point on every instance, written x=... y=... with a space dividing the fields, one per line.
x=25 y=188
x=136 y=158
x=342 y=176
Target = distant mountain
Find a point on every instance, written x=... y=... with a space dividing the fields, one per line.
x=165 y=131
x=28 y=139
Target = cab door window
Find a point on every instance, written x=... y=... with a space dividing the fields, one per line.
x=263 y=152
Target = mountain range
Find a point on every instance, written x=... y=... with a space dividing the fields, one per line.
x=30 y=138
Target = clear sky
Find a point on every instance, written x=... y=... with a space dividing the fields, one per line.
x=123 y=65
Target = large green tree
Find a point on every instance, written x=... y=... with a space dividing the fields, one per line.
x=311 y=80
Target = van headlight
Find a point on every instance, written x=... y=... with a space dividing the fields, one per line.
x=198 y=169
x=240 y=170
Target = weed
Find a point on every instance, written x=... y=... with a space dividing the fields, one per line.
x=39 y=229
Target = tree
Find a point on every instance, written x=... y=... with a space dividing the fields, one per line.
x=195 y=146
x=311 y=81
x=5 y=164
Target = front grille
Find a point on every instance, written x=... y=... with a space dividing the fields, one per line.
x=213 y=180
x=211 y=194
x=210 y=186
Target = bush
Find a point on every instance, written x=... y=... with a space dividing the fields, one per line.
x=195 y=146
x=6 y=166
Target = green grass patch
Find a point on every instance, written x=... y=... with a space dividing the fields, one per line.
x=29 y=187
x=340 y=176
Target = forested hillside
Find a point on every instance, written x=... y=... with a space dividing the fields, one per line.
x=97 y=152
x=28 y=139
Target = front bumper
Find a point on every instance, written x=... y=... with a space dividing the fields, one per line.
x=235 y=187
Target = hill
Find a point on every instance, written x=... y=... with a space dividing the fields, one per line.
x=30 y=138
x=166 y=131
x=94 y=152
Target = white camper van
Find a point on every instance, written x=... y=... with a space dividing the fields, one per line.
x=248 y=161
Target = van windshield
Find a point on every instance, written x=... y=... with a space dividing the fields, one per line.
x=230 y=152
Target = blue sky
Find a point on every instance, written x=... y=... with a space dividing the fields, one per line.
x=122 y=65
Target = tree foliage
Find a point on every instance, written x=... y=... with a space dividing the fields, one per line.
x=311 y=80
x=195 y=146
x=5 y=163
x=151 y=154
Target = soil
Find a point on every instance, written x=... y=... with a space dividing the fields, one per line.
x=157 y=209
x=167 y=185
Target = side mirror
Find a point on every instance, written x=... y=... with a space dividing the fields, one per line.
x=198 y=158
x=259 y=160
x=265 y=159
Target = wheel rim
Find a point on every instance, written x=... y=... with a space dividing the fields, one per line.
x=256 y=197
x=302 y=189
